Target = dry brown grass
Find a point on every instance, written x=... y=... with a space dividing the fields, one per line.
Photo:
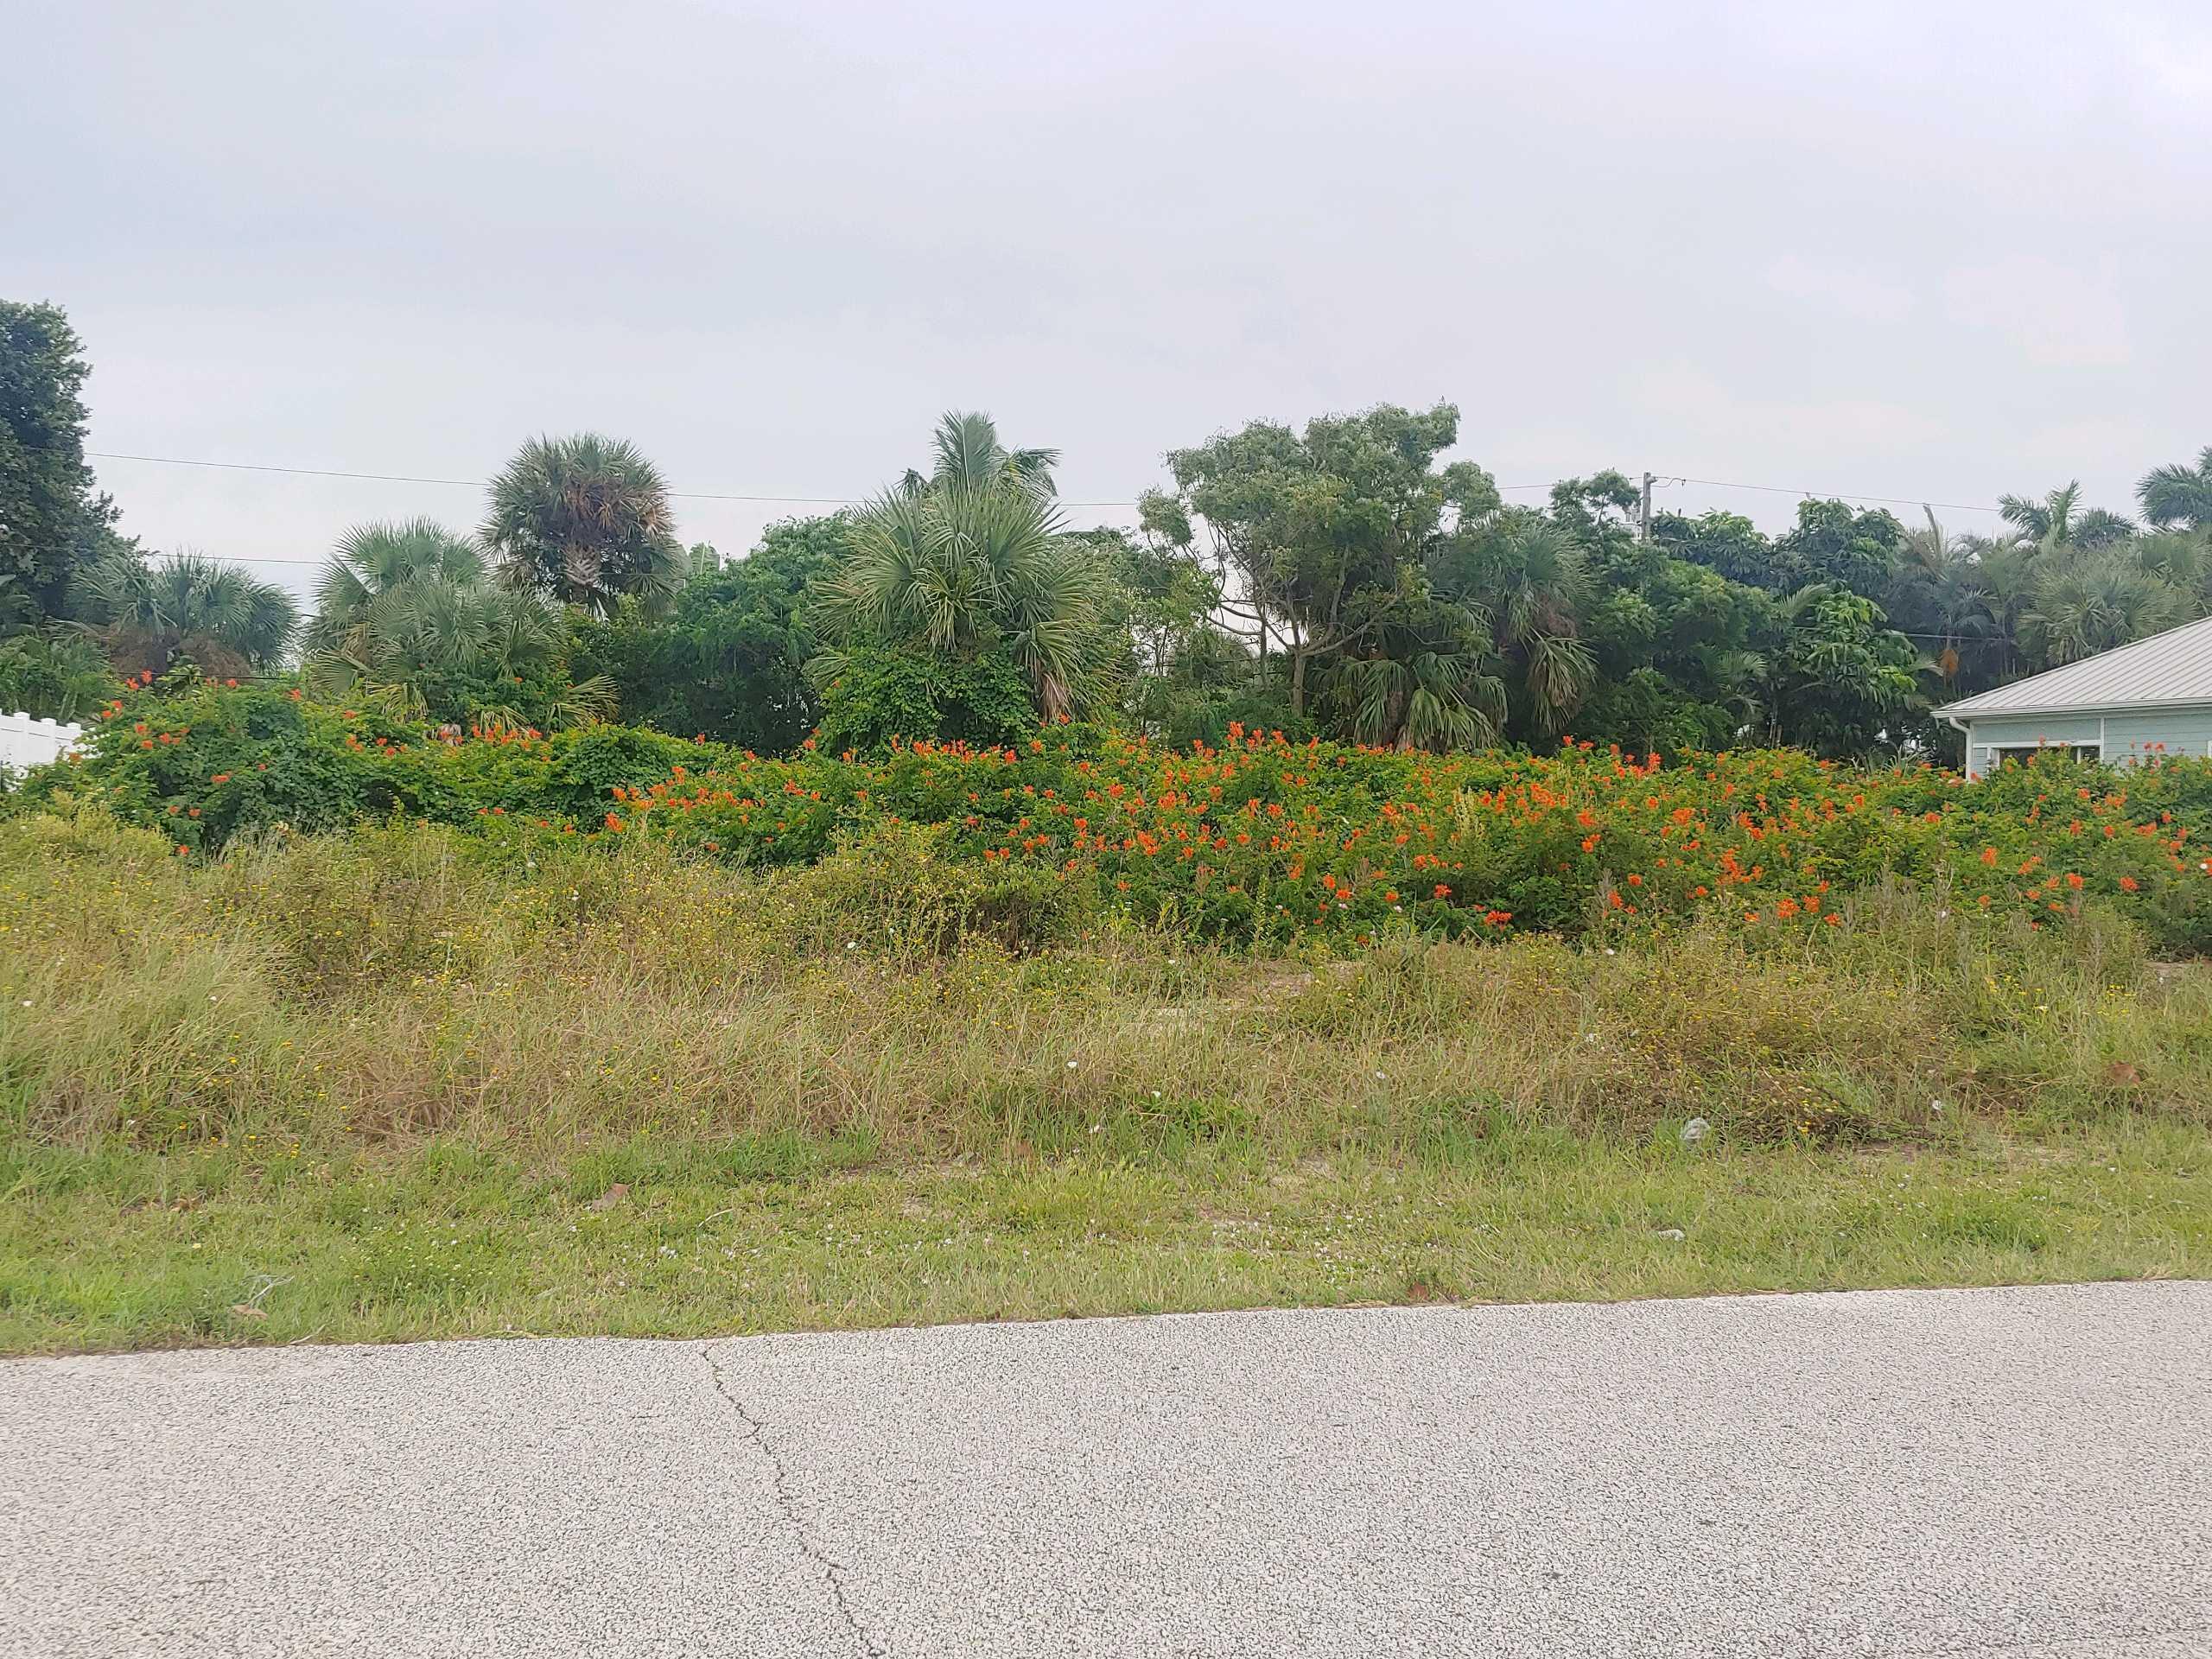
x=386 y=988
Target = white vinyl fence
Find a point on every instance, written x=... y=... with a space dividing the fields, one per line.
x=25 y=742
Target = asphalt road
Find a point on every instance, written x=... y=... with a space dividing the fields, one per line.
x=1981 y=1473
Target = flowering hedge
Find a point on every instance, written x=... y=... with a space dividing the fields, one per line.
x=1263 y=840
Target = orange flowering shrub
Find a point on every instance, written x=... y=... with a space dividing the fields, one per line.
x=1273 y=842
x=1261 y=841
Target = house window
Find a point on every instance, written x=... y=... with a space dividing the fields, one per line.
x=2023 y=753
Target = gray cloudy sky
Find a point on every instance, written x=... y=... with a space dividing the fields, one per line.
x=1933 y=251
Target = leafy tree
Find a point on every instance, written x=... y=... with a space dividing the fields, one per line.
x=1840 y=679
x=728 y=662
x=407 y=621
x=1725 y=542
x=2179 y=495
x=1309 y=533
x=586 y=520
x=1834 y=545
x=52 y=523
x=187 y=609
x=879 y=695
x=54 y=672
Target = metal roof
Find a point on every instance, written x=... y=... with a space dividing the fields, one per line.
x=2166 y=670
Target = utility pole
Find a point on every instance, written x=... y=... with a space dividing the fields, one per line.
x=1644 y=521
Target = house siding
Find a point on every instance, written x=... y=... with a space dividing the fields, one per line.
x=2125 y=735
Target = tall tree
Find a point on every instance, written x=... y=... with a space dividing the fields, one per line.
x=1305 y=529
x=52 y=523
x=187 y=608
x=2046 y=523
x=586 y=520
x=1839 y=680
x=1835 y=544
x=2179 y=495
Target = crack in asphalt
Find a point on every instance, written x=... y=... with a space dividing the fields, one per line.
x=833 y=1572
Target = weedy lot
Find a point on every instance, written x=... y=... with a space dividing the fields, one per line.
x=403 y=1083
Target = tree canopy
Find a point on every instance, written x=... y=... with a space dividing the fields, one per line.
x=586 y=520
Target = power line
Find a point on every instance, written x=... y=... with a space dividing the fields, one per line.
x=1831 y=495
x=483 y=483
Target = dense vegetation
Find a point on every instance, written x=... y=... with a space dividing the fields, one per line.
x=1343 y=579
x=1262 y=842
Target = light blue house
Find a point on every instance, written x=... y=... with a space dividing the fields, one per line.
x=2149 y=700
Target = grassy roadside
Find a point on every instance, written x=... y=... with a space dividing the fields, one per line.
x=380 y=1087
x=137 y=1249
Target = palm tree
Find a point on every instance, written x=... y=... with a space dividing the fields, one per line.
x=1531 y=578
x=406 y=620
x=1942 y=591
x=1425 y=680
x=968 y=450
x=2091 y=602
x=2097 y=528
x=960 y=568
x=586 y=520
x=190 y=609
x=2178 y=494
x=2047 y=523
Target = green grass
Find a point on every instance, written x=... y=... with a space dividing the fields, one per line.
x=132 y=1249
x=379 y=1087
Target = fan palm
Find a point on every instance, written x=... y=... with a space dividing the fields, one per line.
x=2178 y=494
x=1531 y=577
x=2093 y=602
x=406 y=621
x=1427 y=700
x=586 y=520
x=963 y=567
x=189 y=607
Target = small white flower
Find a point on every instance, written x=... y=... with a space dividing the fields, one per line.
x=852 y=944
x=1383 y=1077
x=1609 y=950
x=1071 y=1065
x=1155 y=1094
x=27 y=1001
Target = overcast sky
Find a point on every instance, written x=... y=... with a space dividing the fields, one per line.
x=1933 y=250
